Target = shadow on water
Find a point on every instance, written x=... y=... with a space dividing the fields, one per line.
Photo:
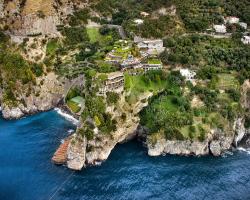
x=27 y=173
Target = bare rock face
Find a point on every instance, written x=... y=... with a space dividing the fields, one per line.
x=76 y=154
x=32 y=17
x=176 y=147
x=31 y=25
x=215 y=148
x=46 y=95
x=245 y=94
x=216 y=143
x=240 y=130
x=1 y=8
x=218 y=147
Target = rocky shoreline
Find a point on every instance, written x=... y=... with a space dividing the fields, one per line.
x=81 y=152
x=45 y=95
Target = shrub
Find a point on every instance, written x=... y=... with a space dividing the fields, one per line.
x=247 y=122
x=234 y=94
x=112 y=97
x=75 y=35
x=202 y=135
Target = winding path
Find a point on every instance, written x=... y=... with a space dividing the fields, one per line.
x=120 y=30
x=79 y=81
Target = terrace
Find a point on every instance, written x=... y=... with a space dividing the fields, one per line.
x=114 y=83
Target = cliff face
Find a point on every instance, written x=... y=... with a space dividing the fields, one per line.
x=245 y=101
x=217 y=141
x=32 y=17
x=83 y=152
x=43 y=96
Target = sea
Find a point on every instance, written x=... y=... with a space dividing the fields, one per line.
x=27 y=173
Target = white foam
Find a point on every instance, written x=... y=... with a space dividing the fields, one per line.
x=67 y=116
x=227 y=153
x=70 y=131
x=244 y=150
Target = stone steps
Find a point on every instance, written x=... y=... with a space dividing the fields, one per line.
x=60 y=156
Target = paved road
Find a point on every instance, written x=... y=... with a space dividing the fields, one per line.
x=120 y=30
x=79 y=81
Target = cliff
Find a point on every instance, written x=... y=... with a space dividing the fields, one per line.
x=216 y=142
x=33 y=17
x=83 y=152
x=43 y=96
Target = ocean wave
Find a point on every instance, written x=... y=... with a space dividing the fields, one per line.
x=67 y=116
x=227 y=153
x=244 y=150
x=70 y=131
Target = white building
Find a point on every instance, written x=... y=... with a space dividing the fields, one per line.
x=232 y=20
x=138 y=21
x=188 y=74
x=148 y=67
x=246 y=40
x=220 y=28
x=151 y=47
x=243 y=25
x=114 y=83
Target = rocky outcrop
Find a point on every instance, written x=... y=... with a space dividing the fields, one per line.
x=157 y=145
x=219 y=146
x=178 y=148
x=76 y=154
x=1 y=8
x=45 y=95
x=216 y=143
x=245 y=94
x=32 y=17
x=83 y=152
x=240 y=130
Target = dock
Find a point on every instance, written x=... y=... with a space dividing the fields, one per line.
x=60 y=156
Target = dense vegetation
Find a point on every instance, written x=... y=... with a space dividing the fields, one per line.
x=204 y=51
x=14 y=69
x=172 y=113
x=192 y=15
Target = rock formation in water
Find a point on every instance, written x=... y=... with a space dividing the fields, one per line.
x=83 y=152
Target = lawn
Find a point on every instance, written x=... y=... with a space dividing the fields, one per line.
x=94 y=34
x=154 y=61
x=166 y=103
x=52 y=46
x=136 y=86
x=73 y=106
x=78 y=100
x=227 y=81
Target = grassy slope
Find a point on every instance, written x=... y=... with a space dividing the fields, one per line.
x=94 y=35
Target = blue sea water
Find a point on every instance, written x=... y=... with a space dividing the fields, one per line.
x=26 y=172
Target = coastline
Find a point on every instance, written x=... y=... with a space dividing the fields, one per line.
x=67 y=115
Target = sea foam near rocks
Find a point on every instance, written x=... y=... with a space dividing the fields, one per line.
x=67 y=116
x=244 y=150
